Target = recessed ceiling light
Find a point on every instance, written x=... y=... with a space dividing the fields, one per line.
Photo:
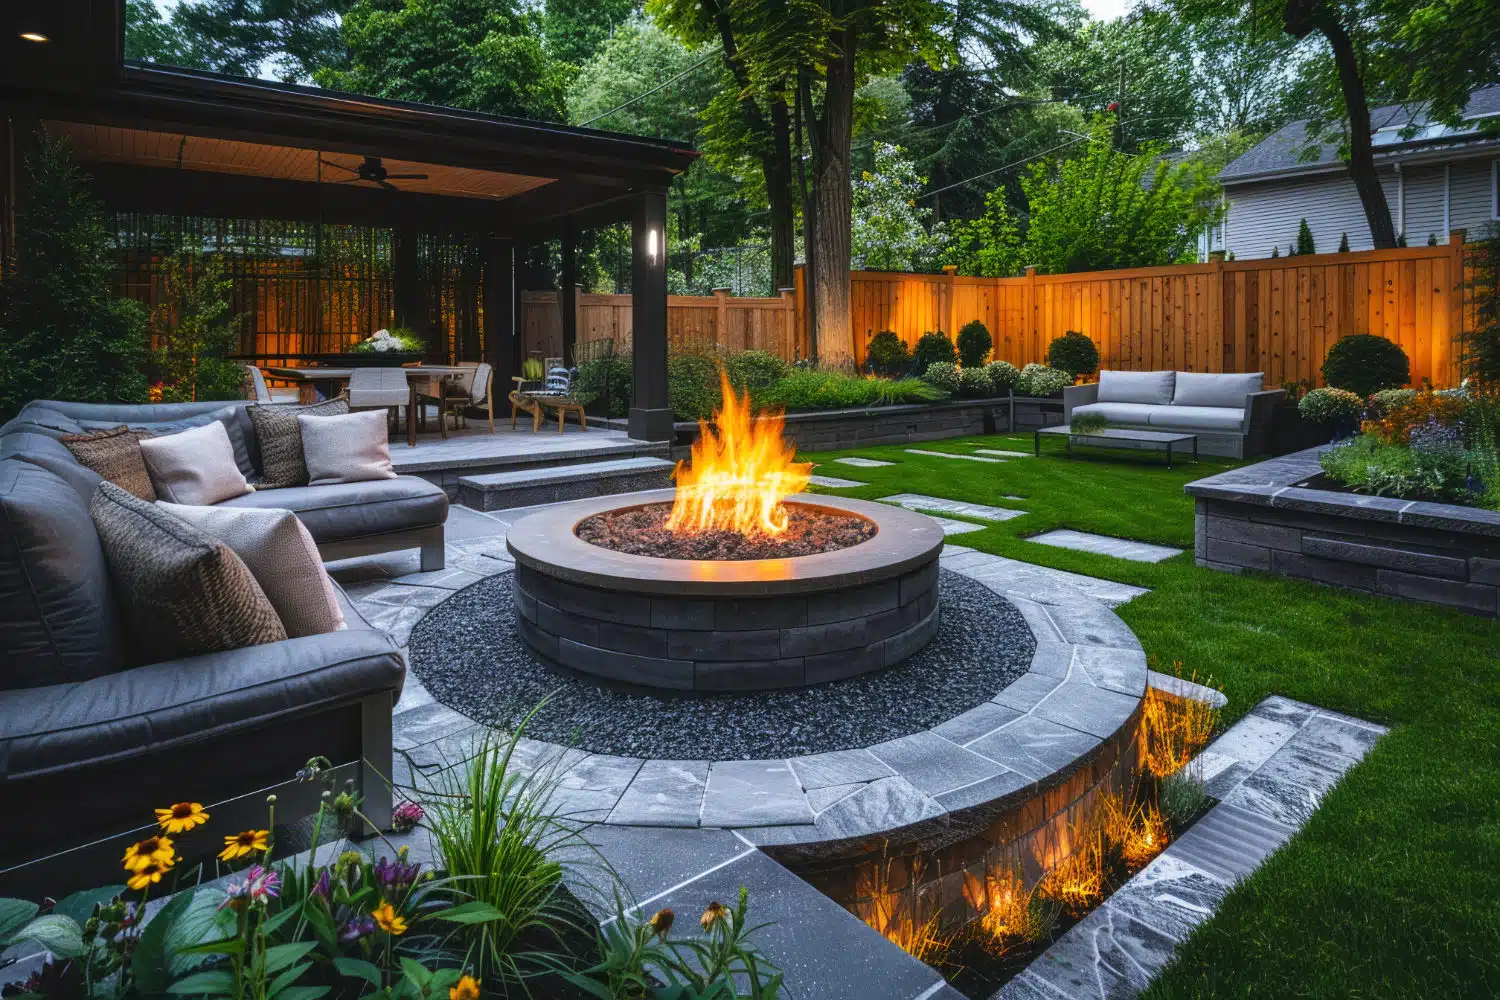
x=35 y=36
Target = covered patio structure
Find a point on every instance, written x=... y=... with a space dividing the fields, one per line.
x=177 y=144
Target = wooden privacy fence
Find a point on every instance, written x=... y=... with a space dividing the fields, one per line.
x=735 y=324
x=1277 y=316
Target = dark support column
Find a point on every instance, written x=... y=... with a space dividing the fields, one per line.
x=650 y=412
x=567 y=292
x=501 y=345
x=407 y=295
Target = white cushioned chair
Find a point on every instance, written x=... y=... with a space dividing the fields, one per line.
x=1230 y=413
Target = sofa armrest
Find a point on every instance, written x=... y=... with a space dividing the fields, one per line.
x=1256 y=426
x=1078 y=395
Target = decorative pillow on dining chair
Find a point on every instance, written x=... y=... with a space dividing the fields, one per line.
x=282 y=557
x=195 y=466
x=181 y=591
x=116 y=455
x=350 y=448
x=280 y=439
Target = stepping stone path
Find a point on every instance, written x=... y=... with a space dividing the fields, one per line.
x=949 y=454
x=1104 y=545
x=862 y=463
x=1269 y=772
x=952 y=527
x=979 y=511
x=1003 y=453
x=1013 y=577
x=834 y=482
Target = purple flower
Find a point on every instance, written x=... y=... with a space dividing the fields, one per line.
x=393 y=876
x=356 y=928
x=263 y=884
x=321 y=887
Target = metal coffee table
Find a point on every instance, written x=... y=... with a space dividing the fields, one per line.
x=1119 y=437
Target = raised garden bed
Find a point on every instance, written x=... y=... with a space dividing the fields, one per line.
x=1274 y=517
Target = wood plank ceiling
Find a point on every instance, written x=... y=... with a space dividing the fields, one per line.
x=140 y=147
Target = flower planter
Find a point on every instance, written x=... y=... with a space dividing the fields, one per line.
x=369 y=359
x=1289 y=432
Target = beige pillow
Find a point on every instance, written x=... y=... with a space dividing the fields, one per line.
x=281 y=555
x=352 y=448
x=194 y=466
x=280 y=439
x=116 y=455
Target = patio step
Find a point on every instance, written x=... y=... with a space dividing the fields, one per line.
x=528 y=487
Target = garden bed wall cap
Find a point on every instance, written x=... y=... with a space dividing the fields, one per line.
x=548 y=543
x=1276 y=483
x=814 y=416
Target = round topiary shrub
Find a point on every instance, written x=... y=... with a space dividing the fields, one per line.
x=1039 y=380
x=1329 y=407
x=1073 y=353
x=933 y=348
x=887 y=355
x=1386 y=400
x=973 y=383
x=942 y=375
x=1365 y=364
x=1003 y=374
x=974 y=344
x=750 y=371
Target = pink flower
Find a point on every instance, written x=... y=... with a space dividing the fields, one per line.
x=406 y=816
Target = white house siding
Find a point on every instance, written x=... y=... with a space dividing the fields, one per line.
x=1267 y=213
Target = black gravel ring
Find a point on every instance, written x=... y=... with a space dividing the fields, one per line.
x=466 y=653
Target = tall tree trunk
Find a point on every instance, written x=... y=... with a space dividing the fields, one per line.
x=809 y=213
x=833 y=134
x=1301 y=19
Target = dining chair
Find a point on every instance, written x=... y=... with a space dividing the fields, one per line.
x=256 y=385
x=379 y=388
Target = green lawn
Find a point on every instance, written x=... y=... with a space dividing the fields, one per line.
x=1393 y=888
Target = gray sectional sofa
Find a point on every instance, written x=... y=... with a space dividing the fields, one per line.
x=1230 y=413
x=96 y=731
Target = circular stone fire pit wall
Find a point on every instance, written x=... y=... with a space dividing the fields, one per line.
x=726 y=625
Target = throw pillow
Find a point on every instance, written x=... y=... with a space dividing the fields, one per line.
x=116 y=455
x=281 y=555
x=352 y=448
x=181 y=592
x=195 y=466
x=280 y=439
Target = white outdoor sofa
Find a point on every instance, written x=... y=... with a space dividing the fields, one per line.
x=1231 y=414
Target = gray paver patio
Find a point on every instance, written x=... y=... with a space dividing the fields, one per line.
x=979 y=511
x=1104 y=545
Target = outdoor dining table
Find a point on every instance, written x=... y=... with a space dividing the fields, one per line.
x=307 y=380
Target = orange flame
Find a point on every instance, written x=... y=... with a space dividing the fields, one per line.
x=739 y=475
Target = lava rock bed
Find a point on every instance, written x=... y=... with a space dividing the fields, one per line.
x=466 y=653
x=642 y=531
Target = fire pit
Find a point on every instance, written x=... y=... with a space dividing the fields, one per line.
x=732 y=582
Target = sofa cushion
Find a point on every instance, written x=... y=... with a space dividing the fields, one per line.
x=195 y=466
x=181 y=592
x=1137 y=414
x=169 y=419
x=58 y=619
x=1212 y=419
x=283 y=558
x=346 y=448
x=1136 y=387
x=1214 y=389
x=156 y=707
x=35 y=419
x=280 y=439
x=50 y=454
x=355 y=510
x=115 y=455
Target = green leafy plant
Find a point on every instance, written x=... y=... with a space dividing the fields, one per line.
x=1364 y=364
x=692 y=384
x=749 y=371
x=605 y=382
x=1039 y=380
x=1481 y=345
x=974 y=344
x=1305 y=244
x=1073 y=353
x=532 y=370
x=398 y=340
x=1383 y=402
x=823 y=389
x=1088 y=423
x=943 y=375
x=973 y=383
x=63 y=332
x=193 y=330
x=933 y=348
x=1367 y=465
x=887 y=355
x=1003 y=374
x=1329 y=407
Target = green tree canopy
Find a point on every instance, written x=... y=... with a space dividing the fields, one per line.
x=574 y=29
x=288 y=39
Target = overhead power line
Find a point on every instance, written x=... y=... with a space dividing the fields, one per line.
x=660 y=86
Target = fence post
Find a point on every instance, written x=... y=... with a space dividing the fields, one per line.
x=1216 y=309
x=789 y=351
x=721 y=316
x=949 y=270
x=1455 y=296
x=1032 y=334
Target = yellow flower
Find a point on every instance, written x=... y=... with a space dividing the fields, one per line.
x=149 y=874
x=712 y=915
x=152 y=849
x=242 y=844
x=661 y=923
x=467 y=989
x=181 y=817
x=387 y=920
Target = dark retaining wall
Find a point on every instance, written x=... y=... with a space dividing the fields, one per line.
x=1261 y=517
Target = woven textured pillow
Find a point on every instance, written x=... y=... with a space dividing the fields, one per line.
x=181 y=591
x=282 y=556
x=280 y=438
x=116 y=455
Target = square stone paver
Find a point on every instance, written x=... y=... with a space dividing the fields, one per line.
x=978 y=511
x=952 y=527
x=933 y=764
x=664 y=793
x=949 y=454
x=834 y=482
x=1104 y=545
x=1034 y=747
x=838 y=767
x=753 y=793
x=862 y=463
x=1002 y=453
x=887 y=804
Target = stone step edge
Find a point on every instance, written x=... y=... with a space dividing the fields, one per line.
x=559 y=475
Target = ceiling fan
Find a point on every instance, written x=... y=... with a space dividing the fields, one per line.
x=372 y=170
